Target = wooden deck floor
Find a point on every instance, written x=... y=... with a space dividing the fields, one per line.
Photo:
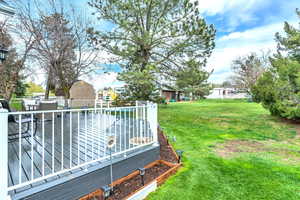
x=71 y=142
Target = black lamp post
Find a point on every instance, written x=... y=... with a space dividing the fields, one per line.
x=179 y=154
x=106 y=191
x=142 y=173
x=167 y=139
x=3 y=53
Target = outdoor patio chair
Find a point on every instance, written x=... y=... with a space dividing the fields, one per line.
x=14 y=133
x=47 y=105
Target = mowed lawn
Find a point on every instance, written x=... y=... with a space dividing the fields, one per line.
x=232 y=150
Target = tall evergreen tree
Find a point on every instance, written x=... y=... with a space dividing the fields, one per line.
x=193 y=80
x=21 y=88
x=158 y=34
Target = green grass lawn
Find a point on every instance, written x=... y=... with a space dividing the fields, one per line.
x=233 y=150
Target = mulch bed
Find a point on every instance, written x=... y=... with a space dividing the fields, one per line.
x=127 y=187
x=166 y=151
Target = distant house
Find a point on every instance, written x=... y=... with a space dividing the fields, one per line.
x=107 y=94
x=226 y=93
x=119 y=90
x=171 y=95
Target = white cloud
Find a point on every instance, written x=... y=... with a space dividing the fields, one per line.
x=238 y=44
x=232 y=13
x=214 y=7
x=258 y=34
x=222 y=58
x=236 y=14
x=220 y=78
x=100 y=81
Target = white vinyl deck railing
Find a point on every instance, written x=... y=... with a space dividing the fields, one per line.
x=55 y=142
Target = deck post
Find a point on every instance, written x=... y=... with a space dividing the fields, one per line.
x=4 y=154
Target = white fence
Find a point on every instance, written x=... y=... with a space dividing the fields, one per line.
x=39 y=145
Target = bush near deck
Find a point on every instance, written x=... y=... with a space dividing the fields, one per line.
x=233 y=150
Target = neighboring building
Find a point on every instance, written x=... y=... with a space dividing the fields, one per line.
x=226 y=93
x=171 y=95
x=82 y=94
x=108 y=94
x=119 y=90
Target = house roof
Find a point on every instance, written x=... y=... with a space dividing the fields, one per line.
x=171 y=90
x=6 y=9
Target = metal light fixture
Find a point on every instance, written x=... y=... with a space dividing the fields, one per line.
x=168 y=137
x=142 y=173
x=106 y=191
x=3 y=53
x=110 y=143
x=174 y=138
x=179 y=154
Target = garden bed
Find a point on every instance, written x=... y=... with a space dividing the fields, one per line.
x=167 y=152
x=155 y=173
x=134 y=183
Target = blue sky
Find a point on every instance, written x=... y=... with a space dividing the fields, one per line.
x=243 y=26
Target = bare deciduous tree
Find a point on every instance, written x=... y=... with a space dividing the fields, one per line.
x=61 y=43
x=247 y=69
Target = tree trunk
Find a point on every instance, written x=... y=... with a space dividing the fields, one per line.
x=145 y=54
x=9 y=93
x=66 y=95
x=47 y=92
x=9 y=96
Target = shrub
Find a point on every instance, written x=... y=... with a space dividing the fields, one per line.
x=278 y=89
